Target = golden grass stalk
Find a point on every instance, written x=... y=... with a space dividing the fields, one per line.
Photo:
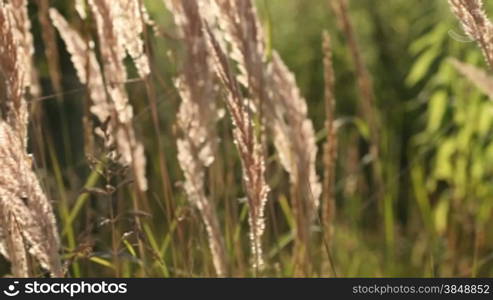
x=197 y=119
x=249 y=148
x=274 y=89
x=130 y=23
x=111 y=28
x=13 y=247
x=278 y=101
x=242 y=31
x=27 y=219
x=294 y=138
x=330 y=147
x=476 y=24
x=13 y=72
x=295 y=141
x=86 y=65
x=22 y=32
x=89 y=73
x=50 y=43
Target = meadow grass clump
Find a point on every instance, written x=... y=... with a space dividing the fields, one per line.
x=28 y=226
x=197 y=119
x=117 y=158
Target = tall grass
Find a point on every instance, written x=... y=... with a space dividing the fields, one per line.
x=188 y=138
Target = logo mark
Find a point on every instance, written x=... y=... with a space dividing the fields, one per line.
x=11 y=290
